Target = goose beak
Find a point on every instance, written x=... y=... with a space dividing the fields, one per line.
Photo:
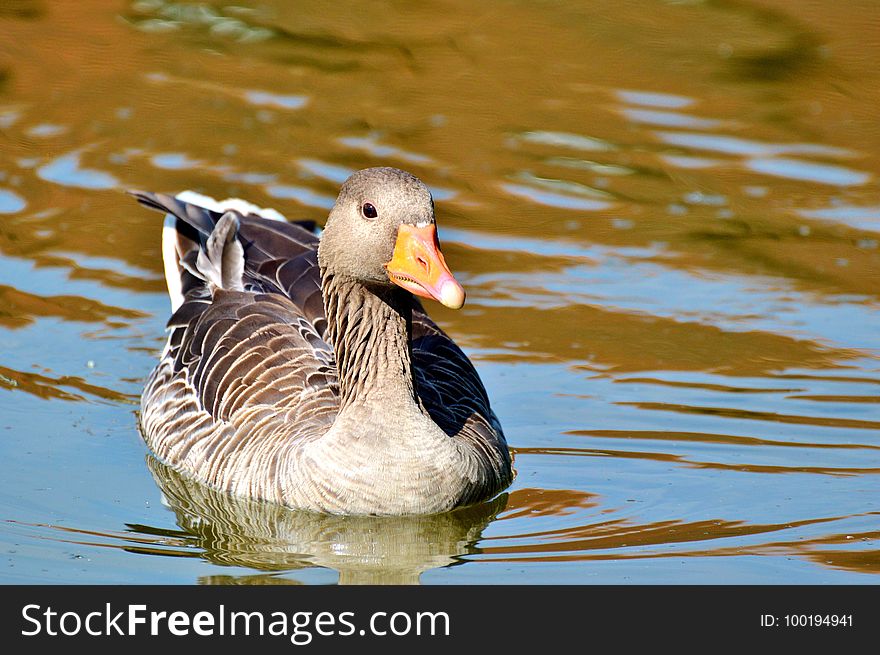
x=418 y=266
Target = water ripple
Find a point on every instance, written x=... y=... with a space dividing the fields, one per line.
x=798 y=169
x=669 y=119
x=653 y=99
x=863 y=218
x=731 y=145
x=551 y=199
x=566 y=140
x=373 y=146
x=267 y=99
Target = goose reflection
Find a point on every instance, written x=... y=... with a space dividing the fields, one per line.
x=235 y=531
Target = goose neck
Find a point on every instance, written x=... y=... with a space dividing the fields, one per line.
x=369 y=329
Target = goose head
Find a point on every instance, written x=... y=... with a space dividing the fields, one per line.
x=381 y=231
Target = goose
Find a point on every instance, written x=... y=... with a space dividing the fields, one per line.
x=302 y=370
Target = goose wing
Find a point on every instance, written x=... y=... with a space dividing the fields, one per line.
x=249 y=332
x=451 y=389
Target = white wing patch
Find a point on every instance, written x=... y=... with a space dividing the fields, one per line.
x=235 y=204
x=171 y=261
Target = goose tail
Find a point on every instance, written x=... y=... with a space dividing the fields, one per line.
x=200 y=243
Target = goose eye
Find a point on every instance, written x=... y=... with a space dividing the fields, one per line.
x=369 y=211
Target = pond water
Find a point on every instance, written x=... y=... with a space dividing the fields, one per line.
x=666 y=215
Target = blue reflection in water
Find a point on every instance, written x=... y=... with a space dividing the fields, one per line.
x=797 y=169
x=552 y=199
x=669 y=119
x=11 y=202
x=266 y=99
x=653 y=99
x=374 y=147
x=67 y=171
x=174 y=161
x=302 y=195
x=567 y=140
x=731 y=145
x=863 y=218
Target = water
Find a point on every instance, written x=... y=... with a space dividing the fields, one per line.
x=666 y=215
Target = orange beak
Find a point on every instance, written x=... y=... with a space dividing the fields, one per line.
x=418 y=266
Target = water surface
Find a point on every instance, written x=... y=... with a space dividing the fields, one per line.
x=666 y=215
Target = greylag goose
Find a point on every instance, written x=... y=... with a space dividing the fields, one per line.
x=302 y=371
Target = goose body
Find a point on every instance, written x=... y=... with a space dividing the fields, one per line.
x=303 y=371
